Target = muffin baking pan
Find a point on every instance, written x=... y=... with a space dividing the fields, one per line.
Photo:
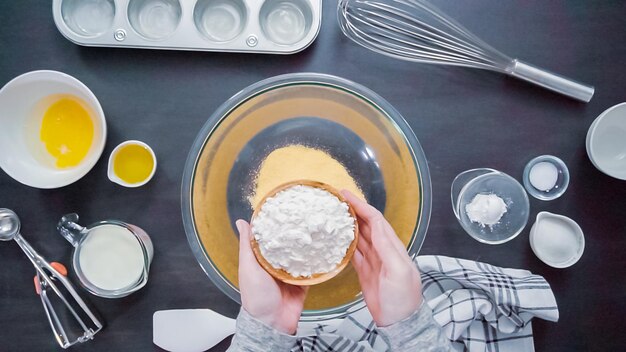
x=257 y=26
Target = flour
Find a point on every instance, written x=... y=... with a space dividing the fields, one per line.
x=304 y=230
x=486 y=209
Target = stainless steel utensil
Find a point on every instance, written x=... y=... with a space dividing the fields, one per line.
x=10 y=230
x=415 y=30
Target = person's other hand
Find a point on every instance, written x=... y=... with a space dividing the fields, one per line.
x=276 y=304
x=391 y=284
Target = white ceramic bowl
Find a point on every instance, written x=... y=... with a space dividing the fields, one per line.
x=606 y=142
x=20 y=102
x=557 y=240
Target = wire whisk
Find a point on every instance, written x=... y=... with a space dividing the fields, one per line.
x=415 y=30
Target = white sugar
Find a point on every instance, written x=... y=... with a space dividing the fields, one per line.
x=543 y=176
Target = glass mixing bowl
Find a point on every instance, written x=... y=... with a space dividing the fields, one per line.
x=347 y=121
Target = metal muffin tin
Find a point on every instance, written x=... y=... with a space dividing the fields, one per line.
x=255 y=26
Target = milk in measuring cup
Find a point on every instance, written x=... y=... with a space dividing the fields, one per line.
x=111 y=257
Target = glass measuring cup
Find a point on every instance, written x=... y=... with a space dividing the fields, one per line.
x=111 y=258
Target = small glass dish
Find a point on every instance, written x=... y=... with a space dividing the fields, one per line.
x=560 y=185
x=470 y=183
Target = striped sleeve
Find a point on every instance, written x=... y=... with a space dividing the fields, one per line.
x=418 y=332
x=252 y=335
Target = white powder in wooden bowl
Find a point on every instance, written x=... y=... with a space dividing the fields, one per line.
x=303 y=230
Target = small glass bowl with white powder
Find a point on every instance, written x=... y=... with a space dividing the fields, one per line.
x=304 y=233
x=490 y=205
x=546 y=177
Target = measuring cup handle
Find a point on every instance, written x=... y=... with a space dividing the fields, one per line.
x=70 y=229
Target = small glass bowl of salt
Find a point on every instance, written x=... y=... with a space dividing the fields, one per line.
x=490 y=205
x=546 y=177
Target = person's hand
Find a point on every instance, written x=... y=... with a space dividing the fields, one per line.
x=276 y=304
x=391 y=284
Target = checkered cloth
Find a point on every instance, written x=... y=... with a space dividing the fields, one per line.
x=480 y=307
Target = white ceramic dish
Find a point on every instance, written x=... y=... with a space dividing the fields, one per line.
x=557 y=240
x=606 y=142
x=113 y=177
x=20 y=101
x=269 y=26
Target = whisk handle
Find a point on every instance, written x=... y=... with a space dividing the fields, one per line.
x=549 y=80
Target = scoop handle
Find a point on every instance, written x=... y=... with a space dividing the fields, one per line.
x=41 y=265
x=549 y=80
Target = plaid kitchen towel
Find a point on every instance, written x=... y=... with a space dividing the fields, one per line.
x=480 y=307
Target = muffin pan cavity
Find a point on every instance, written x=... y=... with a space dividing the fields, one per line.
x=256 y=26
x=286 y=22
x=88 y=18
x=154 y=19
x=220 y=20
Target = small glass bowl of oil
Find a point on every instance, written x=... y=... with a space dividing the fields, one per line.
x=132 y=164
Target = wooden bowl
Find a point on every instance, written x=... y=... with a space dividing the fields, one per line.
x=315 y=279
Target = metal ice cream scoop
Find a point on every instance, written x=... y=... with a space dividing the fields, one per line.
x=48 y=278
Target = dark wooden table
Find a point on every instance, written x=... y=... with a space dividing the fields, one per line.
x=463 y=118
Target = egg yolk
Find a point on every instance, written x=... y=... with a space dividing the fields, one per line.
x=67 y=132
x=133 y=163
